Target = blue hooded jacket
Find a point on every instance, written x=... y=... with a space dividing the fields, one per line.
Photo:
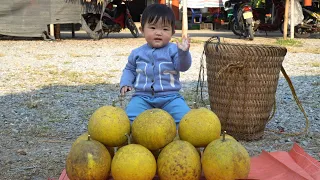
x=155 y=71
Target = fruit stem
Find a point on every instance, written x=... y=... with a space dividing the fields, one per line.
x=89 y=138
x=194 y=105
x=224 y=135
x=128 y=137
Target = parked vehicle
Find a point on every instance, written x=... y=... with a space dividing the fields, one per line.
x=271 y=23
x=116 y=16
x=310 y=24
x=242 y=22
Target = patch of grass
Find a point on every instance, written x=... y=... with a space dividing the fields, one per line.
x=55 y=120
x=304 y=50
x=44 y=128
x=32 y=104
x=52 y=74
x=289 y=42
x=81 y=77
x=315 y=64
x=72 y=76
x=49 y=66
x=67 y=62
x=196 y=41
x=114 y=70
x=40 y=129
x=316 y=83
x=87 y=112
x=190 y=98
x=123 y=54
x=43 y=56
x=78 y=55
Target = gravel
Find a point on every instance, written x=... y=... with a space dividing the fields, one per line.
x=49 y=89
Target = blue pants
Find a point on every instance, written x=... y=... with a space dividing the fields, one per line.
x=174 y=104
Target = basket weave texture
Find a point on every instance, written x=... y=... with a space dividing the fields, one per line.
x=242 y=82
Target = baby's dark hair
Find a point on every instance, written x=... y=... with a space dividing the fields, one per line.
x=154 y=12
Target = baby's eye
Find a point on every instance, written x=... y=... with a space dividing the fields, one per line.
x=152 y=27
x=166 y=29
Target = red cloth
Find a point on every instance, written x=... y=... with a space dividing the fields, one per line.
x=295 y=164
x=279 y=165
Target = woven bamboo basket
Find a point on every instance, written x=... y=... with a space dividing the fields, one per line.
x=242 y=82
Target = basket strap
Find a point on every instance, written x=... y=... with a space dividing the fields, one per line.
x=299 y=105
x=201 y=81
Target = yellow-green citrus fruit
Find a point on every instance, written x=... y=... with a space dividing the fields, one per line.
x=225 y=159
x=179 y=160
x=154 y=129
x=199 y=127
x=88 y=160
x=84 y=136
x=109 y=125
x=134 y=162
x=227 y=136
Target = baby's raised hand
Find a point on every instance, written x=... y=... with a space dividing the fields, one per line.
x=125 y=89
x=184 y=44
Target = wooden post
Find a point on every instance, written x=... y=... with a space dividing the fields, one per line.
x=72 y=30
x=184 y=19
x=52 y=30
x=292 y=19
x=285 y=23
x=57 y=31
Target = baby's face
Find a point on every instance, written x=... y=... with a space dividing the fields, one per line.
x=157 y=34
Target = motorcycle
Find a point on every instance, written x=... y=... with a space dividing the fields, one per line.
x=272 y=23
x=310 y=24
x=242 y=22
x=115 y=17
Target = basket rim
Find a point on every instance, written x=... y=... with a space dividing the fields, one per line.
x=246 y=45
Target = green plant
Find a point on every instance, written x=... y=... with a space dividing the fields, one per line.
x=123 y=54
x=78 y=55
x=196 y=41
x=43 y=56
x=289 y=42
x=315 y=64
x=317 y=83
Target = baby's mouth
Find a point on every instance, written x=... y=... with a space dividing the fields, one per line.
x=157 y=39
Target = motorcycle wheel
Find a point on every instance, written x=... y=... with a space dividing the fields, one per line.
x=250 y=29
x=132 y=27
x=281 y=28
x=300 y=32
x=235 y=28
x=91 y=22
x=96 y=36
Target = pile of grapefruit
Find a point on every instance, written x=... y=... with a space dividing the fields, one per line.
x=153 y=146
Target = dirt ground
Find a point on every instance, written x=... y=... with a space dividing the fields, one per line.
x=45 y=105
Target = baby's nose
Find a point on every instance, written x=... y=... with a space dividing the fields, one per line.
x=158 y=32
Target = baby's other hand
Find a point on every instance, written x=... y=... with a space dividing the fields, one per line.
x=185 y=43
x=125 y=89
